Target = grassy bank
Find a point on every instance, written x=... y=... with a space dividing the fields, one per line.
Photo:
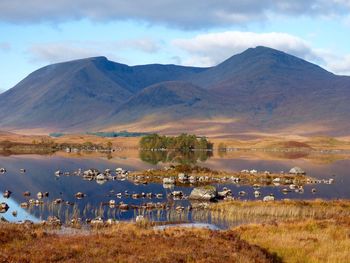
x=126 y=243
x=309 y=241
x=281 y=210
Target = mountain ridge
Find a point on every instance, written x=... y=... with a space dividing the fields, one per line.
x=265 y=89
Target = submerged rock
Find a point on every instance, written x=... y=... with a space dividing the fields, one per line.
x=204 y=193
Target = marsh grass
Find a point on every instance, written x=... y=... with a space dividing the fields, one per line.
x=286 y=209
x=126 y=243
x=311 y=241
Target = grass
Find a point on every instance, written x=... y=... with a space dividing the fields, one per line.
x=126 y=243
x=312 y=241
x=281 y=210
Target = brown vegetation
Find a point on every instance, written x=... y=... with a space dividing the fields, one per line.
x=281 y=210
x=126 y=243
x=303 y=241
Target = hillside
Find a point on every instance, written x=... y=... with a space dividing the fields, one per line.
x=261 y=90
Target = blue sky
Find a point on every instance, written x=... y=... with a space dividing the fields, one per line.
x=200 y=33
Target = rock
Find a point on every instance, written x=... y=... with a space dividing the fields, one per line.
x=292 y=186
x=4 y=207
x=135 y=196
x=40 y=195
x=269 y=198
x=14 y=213
x=168 y=181
x=242 y=193
x=139 y=219
x=27 y=193
x=182 y=177
x=225 y=193
x=204 y=193
x=285 y=190
x=96 y=221
x=22 y=171
x=256 y=193
x=7 y=194
x=57 y=201
x=177 y=193
x=192 y=179
x=2 y=170
x=24 y=205
x=297 y=171
x=101 y=177
x=79 y=195
x=54 y=221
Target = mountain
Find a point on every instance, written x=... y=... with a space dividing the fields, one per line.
x=260 y=90
x=74 y=94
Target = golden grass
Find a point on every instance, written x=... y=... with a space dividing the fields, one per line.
x=126 y=243
x=308 y=241
x=280 y=210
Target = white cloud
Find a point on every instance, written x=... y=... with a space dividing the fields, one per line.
x=62 y=51
x=181 y=13
x=211 y=49
x=339 y=64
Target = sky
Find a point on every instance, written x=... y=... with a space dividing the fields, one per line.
x=35 y=33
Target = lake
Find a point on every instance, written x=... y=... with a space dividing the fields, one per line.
x=40 y=177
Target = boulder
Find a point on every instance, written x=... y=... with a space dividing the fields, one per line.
x=297 y=171
x=225 y=193
x=3 y=208
x=204 y=193
x=168 y=181
x=268 y=198
x=182 y=177
x=7 y=194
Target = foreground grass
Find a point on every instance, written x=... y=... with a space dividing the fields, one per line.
x=126 y=243
x=309 y=241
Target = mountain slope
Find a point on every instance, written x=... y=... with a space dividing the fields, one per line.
x=73 y=94
x=171 y=100
x=261 y=89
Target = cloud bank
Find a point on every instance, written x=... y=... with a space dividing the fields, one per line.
x=213 y=48
x=54 y=52
x=188 y=14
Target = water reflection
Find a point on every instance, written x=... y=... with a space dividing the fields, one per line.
x=190 y=157
x=40 y=170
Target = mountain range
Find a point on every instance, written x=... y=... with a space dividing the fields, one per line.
x=260 y=90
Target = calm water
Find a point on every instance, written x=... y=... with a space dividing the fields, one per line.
x=39 y=177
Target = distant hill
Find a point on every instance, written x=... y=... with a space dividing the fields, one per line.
x=260 y=90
